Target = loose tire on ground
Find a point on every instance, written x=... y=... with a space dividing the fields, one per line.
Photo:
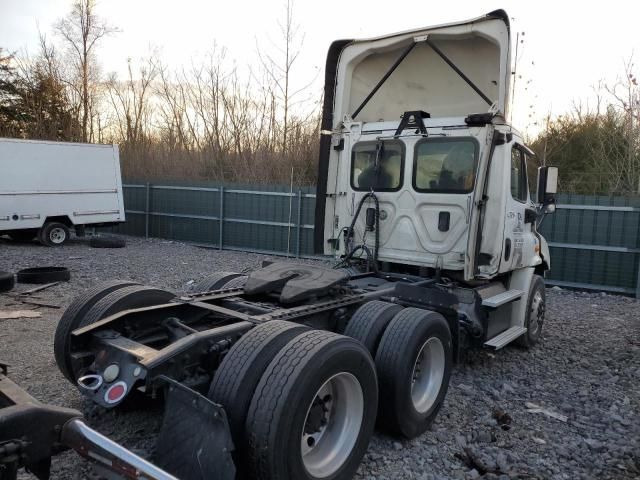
x=7 y=281
x=43 y=275
x=104 y=241
x=369 y=322
x=413 y=362
x=135 y=296
x=534 y=319
x=317 y=374
x=214 y=282
x=241 y=369
x=53 y=234
x=72 y=317
x=23 y=235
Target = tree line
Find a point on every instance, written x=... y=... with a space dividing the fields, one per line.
x=214 y=121
x=597 y=147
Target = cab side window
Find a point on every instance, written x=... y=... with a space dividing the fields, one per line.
x=519 y=189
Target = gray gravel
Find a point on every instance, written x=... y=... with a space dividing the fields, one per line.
x=587 y=369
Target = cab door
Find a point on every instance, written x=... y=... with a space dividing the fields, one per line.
x=520 y=245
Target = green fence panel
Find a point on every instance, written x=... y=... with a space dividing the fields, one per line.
x=594 y=240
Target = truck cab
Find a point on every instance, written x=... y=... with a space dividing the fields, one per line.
x=420 y=171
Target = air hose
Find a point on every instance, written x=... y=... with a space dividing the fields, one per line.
x=349 y=232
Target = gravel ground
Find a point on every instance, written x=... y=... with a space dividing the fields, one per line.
x=583 y=376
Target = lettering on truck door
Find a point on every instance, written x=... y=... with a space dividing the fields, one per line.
x=520 y=241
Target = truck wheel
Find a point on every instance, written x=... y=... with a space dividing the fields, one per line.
x=313 y=412
x=135 y=296
x=53 y=234
x=536 y=306
x=241 y=369
x=72 y=317
x=237 y=282
x=214 y=282
x=414 y=365
x=368 y=323
x=23 y=235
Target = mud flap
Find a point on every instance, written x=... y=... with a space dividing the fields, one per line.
x=195 y=441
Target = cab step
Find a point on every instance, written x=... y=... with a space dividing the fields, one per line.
x=505 y=337
x=502 y=298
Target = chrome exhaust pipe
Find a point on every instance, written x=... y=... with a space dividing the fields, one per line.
x=108 y=454
x=91 y=382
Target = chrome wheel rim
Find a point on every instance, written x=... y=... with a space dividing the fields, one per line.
x=332 y=425
x=57 y=235
x=536 y=314
x=427 y=375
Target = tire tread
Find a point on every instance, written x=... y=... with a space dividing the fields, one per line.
x=240 y=371
x=70 y=321
x=269 y=392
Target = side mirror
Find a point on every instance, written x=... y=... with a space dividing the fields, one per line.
x=547 y=185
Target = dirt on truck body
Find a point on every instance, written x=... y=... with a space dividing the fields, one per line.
x=284 y=372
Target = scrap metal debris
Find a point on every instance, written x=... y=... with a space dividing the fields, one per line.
x=534 y=408
x=39 y=288
x=503 y=418
x=40 y=304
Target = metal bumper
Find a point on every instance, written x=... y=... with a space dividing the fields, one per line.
x=32 y=432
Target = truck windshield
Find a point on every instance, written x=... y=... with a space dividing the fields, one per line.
x=386 y=175
x=445 y=165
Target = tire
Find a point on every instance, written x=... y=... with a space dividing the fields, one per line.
x=369 y=322
x=72 y=317
x=241 y=369
x=237 y=282
x=53 y=234
x=23 y=235
x=411 y=332
x=107 y=242
x=214 y=282
x=43 y=275
x=536 y=307
x=136 y=296
x=290 y=389
x=7 y=281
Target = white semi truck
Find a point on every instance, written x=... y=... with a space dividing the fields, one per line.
x=424 y=201
x=49 y=188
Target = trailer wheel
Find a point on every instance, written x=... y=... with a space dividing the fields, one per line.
x=53 y=234
x=236 y=379
x=313 y=412
x=368 y=323
x=536 y=306
x=72 y=317
x=214 y=282
x=135 y=296
x=23 y=235
x=414 y=365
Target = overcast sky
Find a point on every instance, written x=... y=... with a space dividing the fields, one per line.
x=573 y=44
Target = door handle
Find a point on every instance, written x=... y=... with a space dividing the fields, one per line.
x=443 y=221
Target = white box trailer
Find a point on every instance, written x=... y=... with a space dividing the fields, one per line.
x=48 y=188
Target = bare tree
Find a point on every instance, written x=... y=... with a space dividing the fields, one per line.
x=279 y=67
x=130 y=100
x=82 y=31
